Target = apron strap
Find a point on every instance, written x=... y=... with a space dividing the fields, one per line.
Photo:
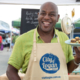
x=34 y=45
x=57 y=37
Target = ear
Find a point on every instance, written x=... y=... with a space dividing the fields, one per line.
x=58 y=17
x=38 y=13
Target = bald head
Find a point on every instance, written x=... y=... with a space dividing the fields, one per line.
x=48 y=16
x=49 y=4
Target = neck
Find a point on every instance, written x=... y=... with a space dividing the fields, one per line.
x=43 y=33
x=46 y=36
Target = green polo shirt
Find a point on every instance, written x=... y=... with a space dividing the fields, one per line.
x=23 y=47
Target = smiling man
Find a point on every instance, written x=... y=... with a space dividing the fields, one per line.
x=47 y=18
x=41 y=52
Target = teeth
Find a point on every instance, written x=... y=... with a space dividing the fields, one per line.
x=46 y=22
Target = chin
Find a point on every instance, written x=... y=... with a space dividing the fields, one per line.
x=42 y=28
x=46 y=30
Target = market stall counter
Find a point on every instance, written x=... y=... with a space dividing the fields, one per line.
x=71 y=77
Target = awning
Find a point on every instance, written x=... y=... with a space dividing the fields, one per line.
x=16 y=23
x=15 y=30
x=4 y=27
x=58 y=24
x=5 y=31
x=77 y=23
x=1 y=33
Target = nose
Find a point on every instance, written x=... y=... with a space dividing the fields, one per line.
x=46 y=17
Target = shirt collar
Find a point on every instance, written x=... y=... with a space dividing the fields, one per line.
x=38 y=36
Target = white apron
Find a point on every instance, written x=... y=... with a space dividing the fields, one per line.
x=47 y=62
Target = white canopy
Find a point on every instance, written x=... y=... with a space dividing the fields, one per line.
x=1 y=33
x=15 y=30
x=40 y=1
x=4 y=26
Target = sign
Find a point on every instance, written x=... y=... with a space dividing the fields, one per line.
x=49 y=63
x=77 y=0
x=28 y=19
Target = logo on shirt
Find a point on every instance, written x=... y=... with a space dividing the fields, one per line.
x=49 y=63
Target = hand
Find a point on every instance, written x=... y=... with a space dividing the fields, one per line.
x=77 y=50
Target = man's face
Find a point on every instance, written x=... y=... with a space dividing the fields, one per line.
x=47 y=17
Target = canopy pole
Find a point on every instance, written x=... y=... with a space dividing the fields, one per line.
x=11 y=38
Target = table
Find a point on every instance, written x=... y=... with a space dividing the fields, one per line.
x=76 y=72
x=71 y=77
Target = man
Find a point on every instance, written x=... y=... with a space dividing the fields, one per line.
x=41 y=52
x=8 y=42
x=0 y=41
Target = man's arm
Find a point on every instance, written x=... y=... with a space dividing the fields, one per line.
x=71 y=65
x=12 y=73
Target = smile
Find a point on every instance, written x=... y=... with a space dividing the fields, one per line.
x=46 y=23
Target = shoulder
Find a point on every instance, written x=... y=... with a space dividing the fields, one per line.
x=62 y=35
x=26 y=36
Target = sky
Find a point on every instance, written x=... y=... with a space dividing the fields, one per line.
x=8 y=13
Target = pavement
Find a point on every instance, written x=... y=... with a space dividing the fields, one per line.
x=4 y=57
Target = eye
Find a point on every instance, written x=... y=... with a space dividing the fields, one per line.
x=42 y=14
x=52 y=15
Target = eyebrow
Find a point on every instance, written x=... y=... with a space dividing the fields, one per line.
x=50 y=12
x=42 y=11
x=53 y=12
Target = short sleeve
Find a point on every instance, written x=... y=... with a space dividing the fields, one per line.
x=16 y=59
x=69 y=50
